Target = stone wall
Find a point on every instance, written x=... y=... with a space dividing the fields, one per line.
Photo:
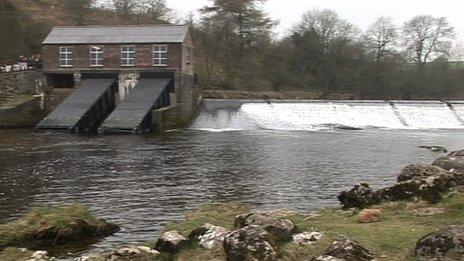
x=24 y=82
x=21 y=111
x=19 y=105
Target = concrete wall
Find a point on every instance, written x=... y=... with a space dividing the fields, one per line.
x=111 y=57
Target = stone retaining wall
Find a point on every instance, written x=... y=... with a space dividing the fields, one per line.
x=22 y=111
x=23 y=82
x=18 y=105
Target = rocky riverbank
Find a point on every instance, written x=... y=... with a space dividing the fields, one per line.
x=418 y=218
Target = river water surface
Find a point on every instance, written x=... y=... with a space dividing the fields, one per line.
x=144 y=182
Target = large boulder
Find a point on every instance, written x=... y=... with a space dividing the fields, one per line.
x=280 y=228
x=447 y=243
x=452 y=162
x=359 y=196
x=209 y=236
x=346 y=249
x=171 y=242
x=420 y=171
x=251 y=242
x=429 y=188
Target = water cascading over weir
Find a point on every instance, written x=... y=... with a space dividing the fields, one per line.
x=220 y=115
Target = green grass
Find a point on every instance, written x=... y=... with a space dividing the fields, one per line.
x=68 y=222
x=217 y=214
x=395 y=236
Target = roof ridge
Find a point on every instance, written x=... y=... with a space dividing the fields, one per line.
x=102 y=26
x=117 y=34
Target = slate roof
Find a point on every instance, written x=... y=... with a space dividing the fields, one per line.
x=117 y=34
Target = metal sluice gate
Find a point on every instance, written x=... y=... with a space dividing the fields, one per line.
x=93 y=105
x=84 y=109
x=134 y=114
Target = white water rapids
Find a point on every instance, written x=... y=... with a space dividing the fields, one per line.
x=224 y=115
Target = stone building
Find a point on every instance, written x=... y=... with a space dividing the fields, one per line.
x=127 y=53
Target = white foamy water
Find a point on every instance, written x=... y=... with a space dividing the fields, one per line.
x=459 y=108
x=328 y=115
x=429 y=116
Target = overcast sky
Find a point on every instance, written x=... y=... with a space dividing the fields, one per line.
x=359 y=12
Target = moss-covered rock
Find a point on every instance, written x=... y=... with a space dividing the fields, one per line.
x=44 y=226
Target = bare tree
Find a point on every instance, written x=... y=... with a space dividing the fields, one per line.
x=157 y=10
x=381 y=38
x=327 y=25
x=125 y=9
x=426 y=36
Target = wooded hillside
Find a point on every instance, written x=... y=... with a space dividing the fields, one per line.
x=237 y=49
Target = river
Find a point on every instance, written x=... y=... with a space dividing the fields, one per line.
x=144 y=182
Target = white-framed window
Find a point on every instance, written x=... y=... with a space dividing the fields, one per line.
x=128 y=55
x=96 y=56
x=66 y=56
x=160 y=55
x=189 y=56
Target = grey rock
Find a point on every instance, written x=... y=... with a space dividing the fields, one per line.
x=171 y=242
x=251 y=242
x=359 y=196
x=209 y=236
x=447 y=243
x=307 y=238
x=123 y=253
x=40 y=256
x=347 y=249
x=429 y=188
x=420 y=171
x=280 y=228
x=452 y=162
x=435 y=148
x=327 y=258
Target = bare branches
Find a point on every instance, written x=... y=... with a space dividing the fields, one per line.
x=157 y=10
x=327 y=25
x=426 y=36
x=381 y=38
x=125 y=9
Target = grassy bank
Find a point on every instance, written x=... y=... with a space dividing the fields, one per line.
x=393 y=238
x=44 y=226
